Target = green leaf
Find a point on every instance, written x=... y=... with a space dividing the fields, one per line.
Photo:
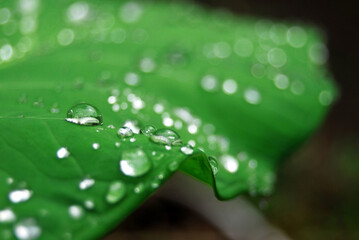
x=245 y=92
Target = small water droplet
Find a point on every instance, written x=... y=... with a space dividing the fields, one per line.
x=214 y=165
x=117 y=144
x=132 y=79
x=252 y=96
x=296 y=36
x=297 y=88
x=209 y=83
x=281 y=81
x=86 y=183
x=27 y=229
x=252 y=163
x=148 y=130
x=134 y=162
x=158 y=108
x=155 y=184
x=89 y=204
x=167 y=121
x=65 y=37
x=116 y=192
x=112 y=100
x=20 y=195
x=318 y=53
x=96 y=146
x=75 y=211
x=229 y=163
x=124 y=132
x=277 y=57
x=173 y=166
x=139 y=188
x=192 y=128
x=325 y=98
x=131 y=12
x=188 y=150
x=243 y=47
x=229 y=86
x=147 y=65
x=62 y=153
x=84 y=114
x=167 y=147
x=166 y=137
x=7 y=215
x=133 y=125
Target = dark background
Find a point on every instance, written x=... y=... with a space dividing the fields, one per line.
x=317 y=195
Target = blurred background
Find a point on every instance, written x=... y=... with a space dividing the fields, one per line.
x=317 y=192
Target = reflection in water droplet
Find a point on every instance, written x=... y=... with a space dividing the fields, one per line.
x=84 y=114
x=229 y=86
x=96 y=146
x=296 y=36
x=124 y=132
x=325 y=98
x=17 y=196
x=252 y=96
x=86 y=183
x=243 y=47
x=188 y=150
x=7 y=215
x=62 y=153
x=281 y=81
x=139 y=188
x=116 y=192
x=277 y=57
x=27 y=229
x=209 y=83
x=148 y=130
x=75 y=211
x=229 y=163
x=134 y=162
x=214 y=165
x=166 y=137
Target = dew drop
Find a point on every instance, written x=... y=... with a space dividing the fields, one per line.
x=65 y=37
x=132 y=79
x=318 y=53
x=89 y=204
x=75 y=211
x=173 y=166
x=214 y=165
x=281 y=81
x=229 y=86
x=4 y=15
x=277 y=57
x=131 y=12
x=86 y=183
x=243 y=47
x=139 y=188
x=187 y=150
x=166 y=137
x=112 y=99
x=84 y=114
x=297 y=88
x=7 y=215
x=148 y=130
x=134 y=162
x=296 y=36
x=96 y=146
x=252 y=164
x=229 y=163
x=116 y=192
x=18 y=196
x=27 y=229
x=124 y=132
x=147 y=65
x=209 y=83
x=78 y=11
x=62 y=153
x=252 y=96
x=167 y=147
x=325 y=98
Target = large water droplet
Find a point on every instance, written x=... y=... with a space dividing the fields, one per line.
x=116 y=192
x=134 y=162
x=7 y=215
x=166 y=137
x=84 y=114
x=148 y=130
x=18 y=196
x=27 y=229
